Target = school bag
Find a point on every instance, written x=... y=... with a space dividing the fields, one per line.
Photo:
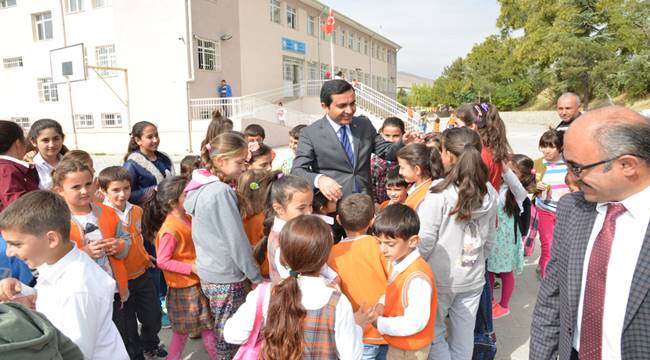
x=529 y=239
x=251 y=349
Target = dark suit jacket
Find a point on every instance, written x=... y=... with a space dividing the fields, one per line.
x=556 y=312
x=320 y=152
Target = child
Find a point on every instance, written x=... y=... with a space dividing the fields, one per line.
x=224 y=259
x=73 y=292
x=396 y=189
x=87 y=160
x=323 y=206
x=143 y=302
x=550 y=172
x=392 y=131
x=261 y=157
x=253 y=189
x=145 y=163
x=416 y=168
x=458 y=218
x=507 y=255
x=16 y=177
x=255 y=133
x=299 y=312
x=189 y=164
x=188 y=309
x=218 y=125
x=411 y=296
x=360 y=265
x=294 y=137
x=46 y=135
x=571 y=182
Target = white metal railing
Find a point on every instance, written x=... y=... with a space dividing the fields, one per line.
x=263 y=104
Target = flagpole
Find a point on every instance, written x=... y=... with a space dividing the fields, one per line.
x=332 y=52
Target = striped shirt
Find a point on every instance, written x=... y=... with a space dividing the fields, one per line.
x=556 y=187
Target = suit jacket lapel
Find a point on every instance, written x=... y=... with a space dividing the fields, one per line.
x=579 y=238
x=333 y=137
x=354 y=129
x=640 y=281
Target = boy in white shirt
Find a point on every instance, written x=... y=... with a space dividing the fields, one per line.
x=411 y=297
x=74 y=293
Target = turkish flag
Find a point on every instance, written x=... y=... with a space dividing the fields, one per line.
x=329 y=23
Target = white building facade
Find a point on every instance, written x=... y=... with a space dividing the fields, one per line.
x=167 y=52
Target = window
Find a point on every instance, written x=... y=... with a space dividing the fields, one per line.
x=275 y=11
x=105 y=56
x=358 y=44
x=342 y=37
x=324 y=68
x=75 y=6
x=313 y=72
x=310 y=25
x=334 y=36
x=292 y=17
x=111 y=120
x=351 y=40
x=42 y=26
x=365 y=46
x=7 y=3
x=84 y=121
x=102 y=3
x=13 y=62
x=209 y=55
x=22 y=121
x=322 y=32
x=46 y=90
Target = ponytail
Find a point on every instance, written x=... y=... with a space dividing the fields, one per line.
x=136 y=133
x=489 y=125
x=469 y=175
x=157 y=205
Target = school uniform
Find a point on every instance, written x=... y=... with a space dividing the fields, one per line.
x=44 y=170
x=16 y=178
x=416 y=194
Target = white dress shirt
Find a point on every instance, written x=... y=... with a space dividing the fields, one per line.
x=336 y=128
x=416 y=314
x=631 y=227
x=315 y=294
x=76 y=295
x=44 y=171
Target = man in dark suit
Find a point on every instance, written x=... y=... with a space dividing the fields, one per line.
x=334 y=152
x=594 y=302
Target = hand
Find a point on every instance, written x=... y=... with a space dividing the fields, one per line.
x=95 y=249
x=10 y=290
x=330 y=188
x=541 y=186
x=412 y=137
x=152 y=262
x=110 y=246
x=365 y=315
x=378 y=310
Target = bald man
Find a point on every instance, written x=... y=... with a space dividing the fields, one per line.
x=594 y=302
x=568 y=108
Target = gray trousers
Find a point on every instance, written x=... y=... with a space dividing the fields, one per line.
x=459 y=331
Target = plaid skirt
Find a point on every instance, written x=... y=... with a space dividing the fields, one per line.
x=225 y=299
x=189 y=310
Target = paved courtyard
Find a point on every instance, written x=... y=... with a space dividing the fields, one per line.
x=513 y=331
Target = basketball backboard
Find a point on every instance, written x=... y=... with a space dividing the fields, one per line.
x=68 y=64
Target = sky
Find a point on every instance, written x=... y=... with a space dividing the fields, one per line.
x=432 y=33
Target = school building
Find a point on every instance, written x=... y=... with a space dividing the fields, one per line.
x=162 y=60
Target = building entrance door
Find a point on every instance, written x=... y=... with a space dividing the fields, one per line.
x=292 y=74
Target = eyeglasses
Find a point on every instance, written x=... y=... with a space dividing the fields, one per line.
x=577 y=169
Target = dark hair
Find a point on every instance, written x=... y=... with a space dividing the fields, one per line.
x=489 y=126
x=525 y=166
x=263 y=150
x=397 y=221
x=218 y=125
x=189 y=164
x=393 y=178
x=136 y=133
x=295 y=131
x=306 y=242
x=36 y=213
x=226 y=145
x=66 y=167
x=393 y=122
x=112 y=173
x=356 y=211
x=10 y=132
x=157 y=204
x=42 y=124
x=333 y=87
x=255 y=130
x=254 y=190
x=469 y=175
x=433 y=140
x=552 y=138
x=417 y=155
x=318 y=202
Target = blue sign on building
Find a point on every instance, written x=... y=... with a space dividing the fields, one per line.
x=293 y=46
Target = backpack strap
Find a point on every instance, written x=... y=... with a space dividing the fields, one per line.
x=252 y=338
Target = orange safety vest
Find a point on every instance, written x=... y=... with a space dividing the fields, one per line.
x=183 y=252
x=137 y=260
x=415 y=198
x=397 y=301
x=108 y=223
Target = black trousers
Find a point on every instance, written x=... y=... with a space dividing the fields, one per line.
x=143 y=305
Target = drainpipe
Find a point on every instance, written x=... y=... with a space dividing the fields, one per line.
x=189 y=45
